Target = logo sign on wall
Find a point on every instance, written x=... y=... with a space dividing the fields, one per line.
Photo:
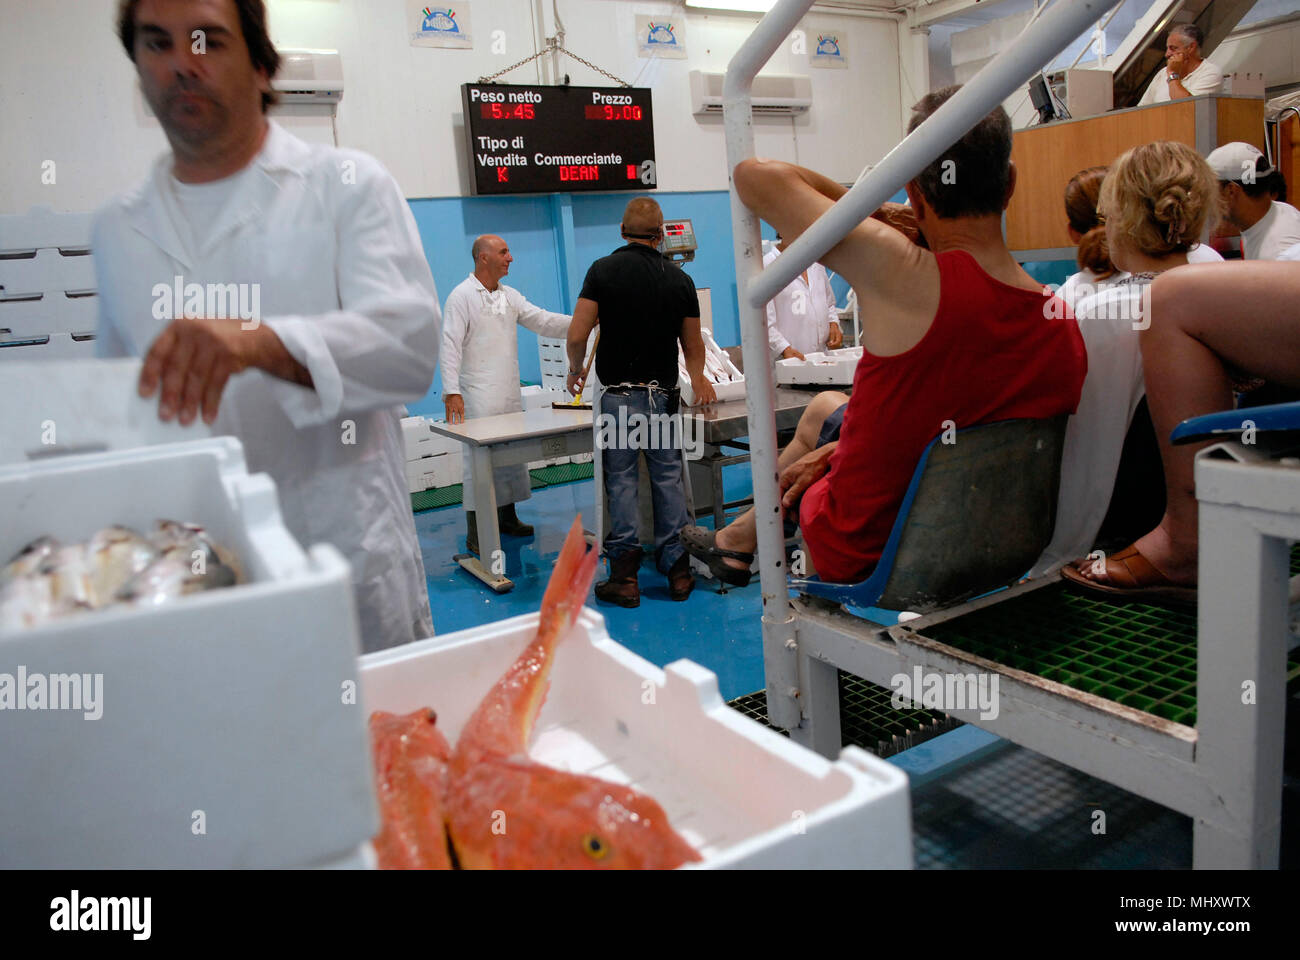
x=432 y=25
x=828 y=51
x=661 y=37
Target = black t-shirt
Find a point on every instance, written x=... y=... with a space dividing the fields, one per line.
x=642 y=298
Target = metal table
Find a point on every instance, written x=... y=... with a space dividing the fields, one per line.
x=506 y=440
x=720 y=427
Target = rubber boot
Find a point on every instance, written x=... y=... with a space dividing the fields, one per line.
x=680 y=579
x=509 y=522
x=471 y=535
x=621 y=587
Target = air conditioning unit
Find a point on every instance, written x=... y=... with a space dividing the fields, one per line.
x=773 y=96
x=309 y=76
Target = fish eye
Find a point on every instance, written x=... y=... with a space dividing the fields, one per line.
x=594 y=847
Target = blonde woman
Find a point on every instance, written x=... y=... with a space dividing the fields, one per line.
x=1155 y=203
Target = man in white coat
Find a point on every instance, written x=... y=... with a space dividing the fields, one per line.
x=480 y=366
x=336 y=323
x=802 y=318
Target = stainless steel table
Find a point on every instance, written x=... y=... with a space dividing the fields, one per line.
x=720 y=427
x=510 y=439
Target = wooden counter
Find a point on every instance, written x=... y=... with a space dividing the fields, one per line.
x=1047 y=157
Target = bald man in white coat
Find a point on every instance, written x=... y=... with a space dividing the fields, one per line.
x=480 y=366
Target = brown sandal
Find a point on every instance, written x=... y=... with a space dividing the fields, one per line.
x=1135 y=578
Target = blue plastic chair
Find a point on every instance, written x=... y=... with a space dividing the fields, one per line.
x=1227 y=424
x=976 y=515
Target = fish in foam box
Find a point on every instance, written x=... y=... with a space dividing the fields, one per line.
x=222 y=729
x=739 y=793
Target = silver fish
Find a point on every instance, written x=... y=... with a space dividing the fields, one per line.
x=68 y=569
x=176 y=573
x=114 y=556
x=188 y=562
x=28 y=560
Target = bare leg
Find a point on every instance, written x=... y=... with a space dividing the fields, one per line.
x=741 y=534
x=1242 y=313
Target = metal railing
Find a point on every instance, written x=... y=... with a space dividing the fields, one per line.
x=1000 y=78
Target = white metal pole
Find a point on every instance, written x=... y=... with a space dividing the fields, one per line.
x=1000 y=78
x=780 y=658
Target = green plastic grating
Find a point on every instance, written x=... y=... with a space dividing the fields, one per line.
x=561 y=473
x=438 y=497
x=867 y=719
x=1140 y=655
x=541 y=477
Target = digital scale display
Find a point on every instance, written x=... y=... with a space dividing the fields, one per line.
x=679 y=240
x=537 y=139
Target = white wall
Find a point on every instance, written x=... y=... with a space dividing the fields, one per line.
x=1273 y=51
x=70 y=94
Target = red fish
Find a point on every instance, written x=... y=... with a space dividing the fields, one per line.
x=411 y=758
x=506 y=811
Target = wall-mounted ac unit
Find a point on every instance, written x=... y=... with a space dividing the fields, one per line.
x=310 y=76
x=773 y=96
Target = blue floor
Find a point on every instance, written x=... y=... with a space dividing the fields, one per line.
x=718 y=631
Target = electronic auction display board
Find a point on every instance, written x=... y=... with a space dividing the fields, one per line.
x=536 y=139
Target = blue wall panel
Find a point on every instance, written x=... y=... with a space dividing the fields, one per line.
x=448 y=228
x=534 y=227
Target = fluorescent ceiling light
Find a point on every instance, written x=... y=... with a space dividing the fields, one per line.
x=746 y=6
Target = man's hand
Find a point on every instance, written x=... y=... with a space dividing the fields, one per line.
x=790 y=353
x=705 y=395
x=834 y=337
x=455 y=404
x=804 y=472
x=193 y=358
x=575 y=384
x=1176 y=64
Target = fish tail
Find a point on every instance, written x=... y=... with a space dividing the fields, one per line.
x=503 y=721
x=570 y=580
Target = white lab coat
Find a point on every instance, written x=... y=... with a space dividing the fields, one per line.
x=329 y=239
x=480 y=361
x=800 y=315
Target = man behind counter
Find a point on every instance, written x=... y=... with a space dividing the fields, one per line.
x=1185 y=73
x=645 y=306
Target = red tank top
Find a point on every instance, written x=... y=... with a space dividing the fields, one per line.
x=993 y=352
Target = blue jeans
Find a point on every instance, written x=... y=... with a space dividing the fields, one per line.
x=621 y=442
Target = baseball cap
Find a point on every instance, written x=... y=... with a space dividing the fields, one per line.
x=1232 y=160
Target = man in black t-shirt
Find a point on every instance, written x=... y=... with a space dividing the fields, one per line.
x=645 y=306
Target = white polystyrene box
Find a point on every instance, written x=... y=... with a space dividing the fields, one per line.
x=232 y=703
x=830 y=367
x=733 y=389
x=741 y=794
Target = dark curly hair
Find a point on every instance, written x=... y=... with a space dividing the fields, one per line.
x=252 y=20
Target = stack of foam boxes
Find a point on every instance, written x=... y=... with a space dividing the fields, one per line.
x=552 y=354
x=432 y=460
